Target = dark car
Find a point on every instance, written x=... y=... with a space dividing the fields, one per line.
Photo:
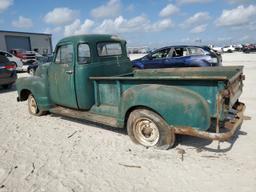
x=249 y=48
x=7 y=72
x=179 y=56
x=45 y=59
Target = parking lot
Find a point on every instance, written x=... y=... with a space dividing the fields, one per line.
x=52 y=153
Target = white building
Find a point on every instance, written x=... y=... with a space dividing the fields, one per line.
x=39 y=42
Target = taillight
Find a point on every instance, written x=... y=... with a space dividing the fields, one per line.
x=10 y=67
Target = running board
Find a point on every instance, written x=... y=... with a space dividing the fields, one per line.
x=84 y=115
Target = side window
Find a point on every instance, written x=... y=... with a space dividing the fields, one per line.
x=84 y=53
x=109 y=49
x=64 y=54
x=196 y=51
x=161 y=54
x=178 y=52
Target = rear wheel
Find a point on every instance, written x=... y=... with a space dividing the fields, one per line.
x=150 y=130
x=33 y=108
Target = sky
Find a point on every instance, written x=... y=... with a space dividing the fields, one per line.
x=152 y=23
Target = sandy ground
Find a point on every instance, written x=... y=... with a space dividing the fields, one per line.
x=55 y=154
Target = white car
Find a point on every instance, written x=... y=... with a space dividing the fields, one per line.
x=217 y=49
x=16 y=60
x=228 y=49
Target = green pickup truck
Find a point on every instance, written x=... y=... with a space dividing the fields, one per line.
x=91 y=78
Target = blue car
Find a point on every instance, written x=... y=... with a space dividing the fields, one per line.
x=179 y=56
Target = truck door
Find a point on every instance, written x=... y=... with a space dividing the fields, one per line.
x=61 y=77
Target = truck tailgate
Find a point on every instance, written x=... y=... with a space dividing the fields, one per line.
x=235 y=87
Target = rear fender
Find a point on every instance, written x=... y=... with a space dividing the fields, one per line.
x=178 y=106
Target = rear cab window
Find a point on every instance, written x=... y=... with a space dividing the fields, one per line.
x=109 y=49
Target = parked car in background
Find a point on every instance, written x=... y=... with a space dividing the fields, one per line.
x=37 y=55
x=238 y=47
x=215 y=48
x=179 y=56
x=7 y=72
x=44 y=59
x=249 y=48
x=228 y=49
x=25 y=56
x=14 y=59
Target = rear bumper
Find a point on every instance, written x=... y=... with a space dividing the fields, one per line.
x=229 y=128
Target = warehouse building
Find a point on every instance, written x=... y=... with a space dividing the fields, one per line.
x=39 y=42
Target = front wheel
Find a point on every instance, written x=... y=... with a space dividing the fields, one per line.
x=150 y=130
x=31 y=71
x=33 y=108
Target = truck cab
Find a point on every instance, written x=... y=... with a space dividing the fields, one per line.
x=78 y=58
x=91 y=78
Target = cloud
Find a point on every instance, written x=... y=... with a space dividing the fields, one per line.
x=22 y=22
x=191 y=1
x=53 y=30
x=135 y=24
x=77 y=28
x=198 y=18
x=199 y=28
x=4 y=4
x=121 y=25
x=60 y=16
x=110 y=10
x=168 y=10
x=236 y=17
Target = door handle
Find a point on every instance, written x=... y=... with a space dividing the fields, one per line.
x=69 y=72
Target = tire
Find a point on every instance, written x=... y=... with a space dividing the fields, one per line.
x=150 y=130
x=8 y=86
x=31 y=71
x=33 y=108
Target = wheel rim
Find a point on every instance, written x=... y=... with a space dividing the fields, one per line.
x=146 y=132
x=31 y=71
x=33 y=105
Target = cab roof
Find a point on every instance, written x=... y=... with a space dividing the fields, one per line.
x=92 y=38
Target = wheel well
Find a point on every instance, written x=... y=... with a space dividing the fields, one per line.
x=128 y=112
x=24 y=94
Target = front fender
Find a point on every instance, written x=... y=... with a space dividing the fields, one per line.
x=36 y=85
x=178 y=106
